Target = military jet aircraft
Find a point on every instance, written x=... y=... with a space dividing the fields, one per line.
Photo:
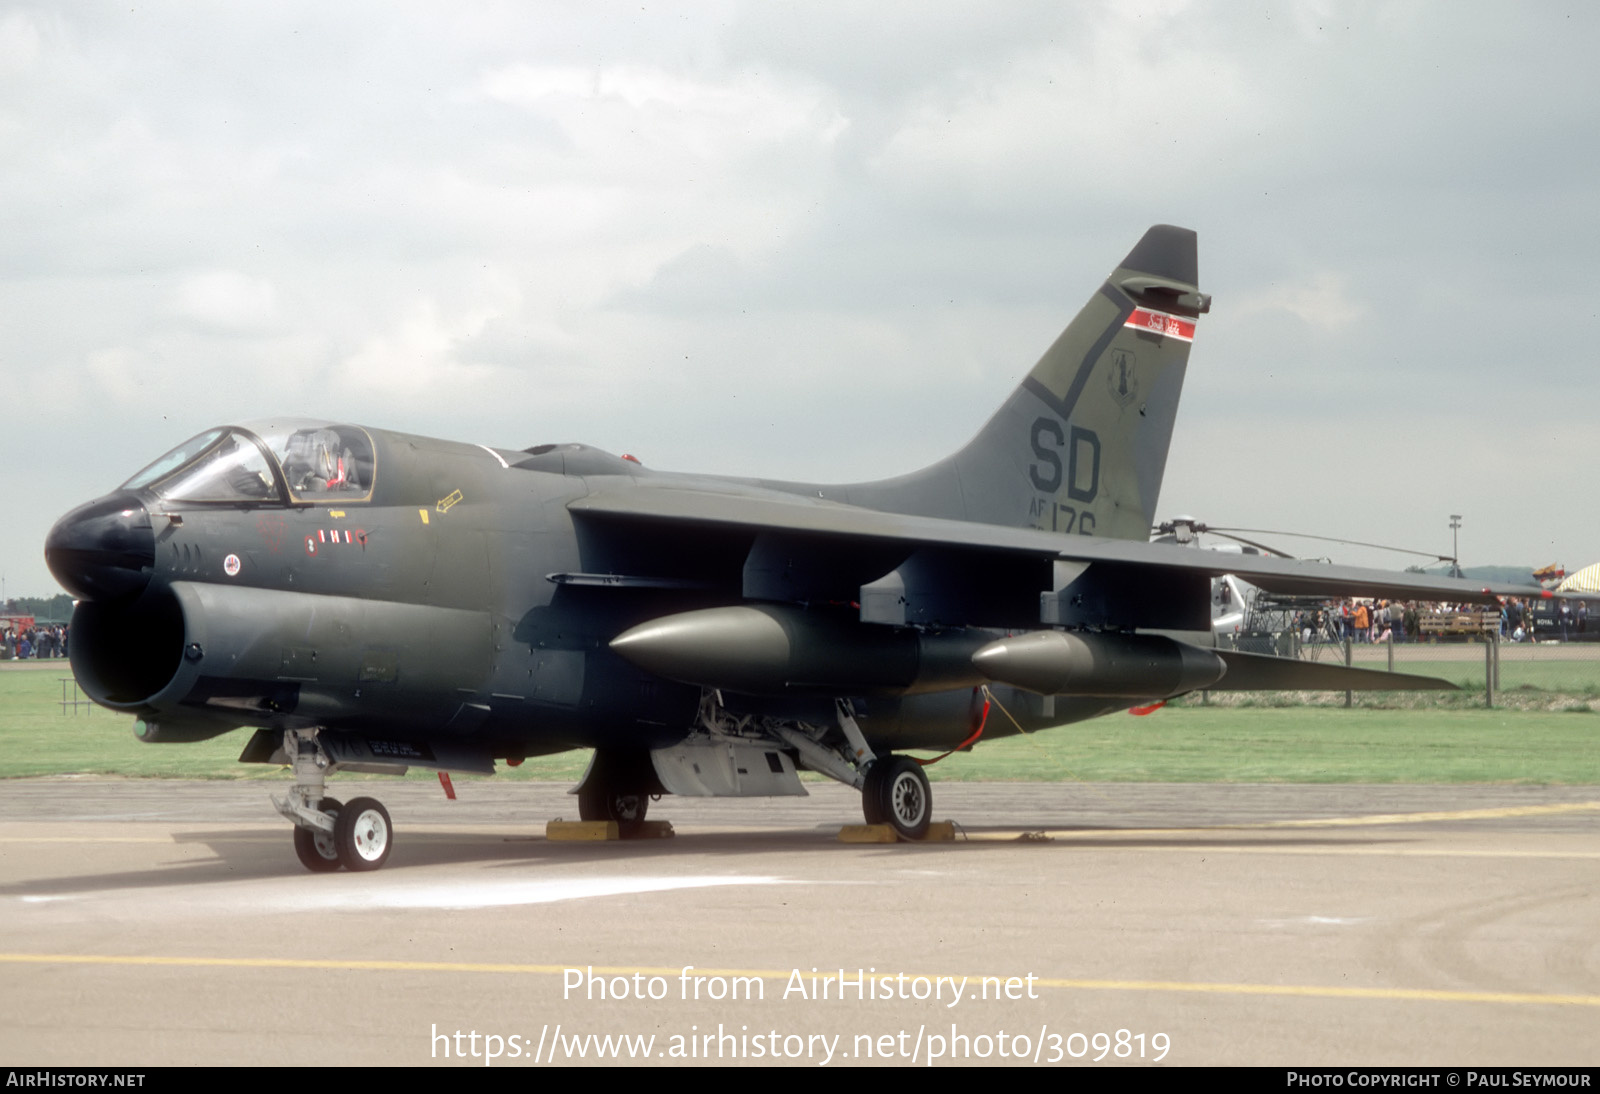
x=373 y=601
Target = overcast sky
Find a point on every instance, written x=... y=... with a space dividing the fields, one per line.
x=813 y=241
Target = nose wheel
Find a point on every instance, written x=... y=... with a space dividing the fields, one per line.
x=360 y=837
x=362 y=834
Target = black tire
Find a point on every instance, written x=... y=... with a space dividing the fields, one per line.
x=871 y=803
x=363 y=834
x=899 y=792
x=317 y=850
x=597 y=802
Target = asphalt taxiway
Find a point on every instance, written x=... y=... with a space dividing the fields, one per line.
x=148 y=922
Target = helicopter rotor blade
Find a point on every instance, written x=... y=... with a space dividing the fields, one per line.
x=1333 y=539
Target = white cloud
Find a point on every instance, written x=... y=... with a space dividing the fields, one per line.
x=669 y=160
x=417 y=356
x=749 y=108
x=227 y=300
x=1134 y=106
x=808 y=238
x=20 y=43
x=121 y=374
x=1321 y=300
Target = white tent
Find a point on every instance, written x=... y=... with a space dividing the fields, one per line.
x=1586 y=580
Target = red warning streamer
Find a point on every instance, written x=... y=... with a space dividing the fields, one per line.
x=983 y=720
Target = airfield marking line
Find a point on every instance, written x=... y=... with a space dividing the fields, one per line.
x=1427 y=995
x=1369 y=820
x=86 y=839
x=1408 y=852
x=1456 y=814
x=1128 y=839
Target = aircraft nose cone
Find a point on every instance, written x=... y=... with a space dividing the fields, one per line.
x=103 y=550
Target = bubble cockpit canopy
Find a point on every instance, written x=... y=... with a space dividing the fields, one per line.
x=265 y=463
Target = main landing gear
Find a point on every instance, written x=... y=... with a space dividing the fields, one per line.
x=329 y=834
x=617 y=787
x=602 y=803
x=894 y=791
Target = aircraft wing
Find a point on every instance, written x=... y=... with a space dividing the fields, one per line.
x=1300 y=576
x=818 y=521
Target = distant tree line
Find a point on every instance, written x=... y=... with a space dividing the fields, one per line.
x=58 y=607
x=1500 y=575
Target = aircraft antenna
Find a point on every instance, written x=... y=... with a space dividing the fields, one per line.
x=1184 y=529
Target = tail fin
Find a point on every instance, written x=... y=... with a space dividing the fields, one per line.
x=1081 y=445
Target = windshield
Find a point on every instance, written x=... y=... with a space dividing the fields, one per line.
x=317 y=461
x=218 y=465
x=173 y=460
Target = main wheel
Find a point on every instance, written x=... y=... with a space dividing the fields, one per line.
x=871 y=808
x=597 y=802
x=315 y=848
x=897 y=793
x=363 y=835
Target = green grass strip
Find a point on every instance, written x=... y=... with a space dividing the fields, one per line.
x=1182 y=743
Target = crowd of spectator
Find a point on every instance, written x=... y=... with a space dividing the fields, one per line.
x=1371 y=621
x=35 y=642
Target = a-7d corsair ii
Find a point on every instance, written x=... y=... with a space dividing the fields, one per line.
x=373 y=601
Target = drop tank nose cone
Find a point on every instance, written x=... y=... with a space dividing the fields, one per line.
x=715 y=647
x=103 y=550
x=1133 y=666
x=1043 y=662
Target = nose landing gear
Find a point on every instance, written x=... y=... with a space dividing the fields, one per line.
x=327 y=833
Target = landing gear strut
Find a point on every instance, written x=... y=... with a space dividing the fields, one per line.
x=894 y=791
x=315 y=848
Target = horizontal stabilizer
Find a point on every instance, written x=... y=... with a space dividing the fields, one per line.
x=1263 y=672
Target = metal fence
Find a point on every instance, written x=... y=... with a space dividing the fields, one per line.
x=1488 y=663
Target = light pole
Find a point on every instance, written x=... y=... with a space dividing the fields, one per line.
x=1455 y=545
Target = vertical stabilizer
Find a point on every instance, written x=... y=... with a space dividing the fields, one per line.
x=1081 y=445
